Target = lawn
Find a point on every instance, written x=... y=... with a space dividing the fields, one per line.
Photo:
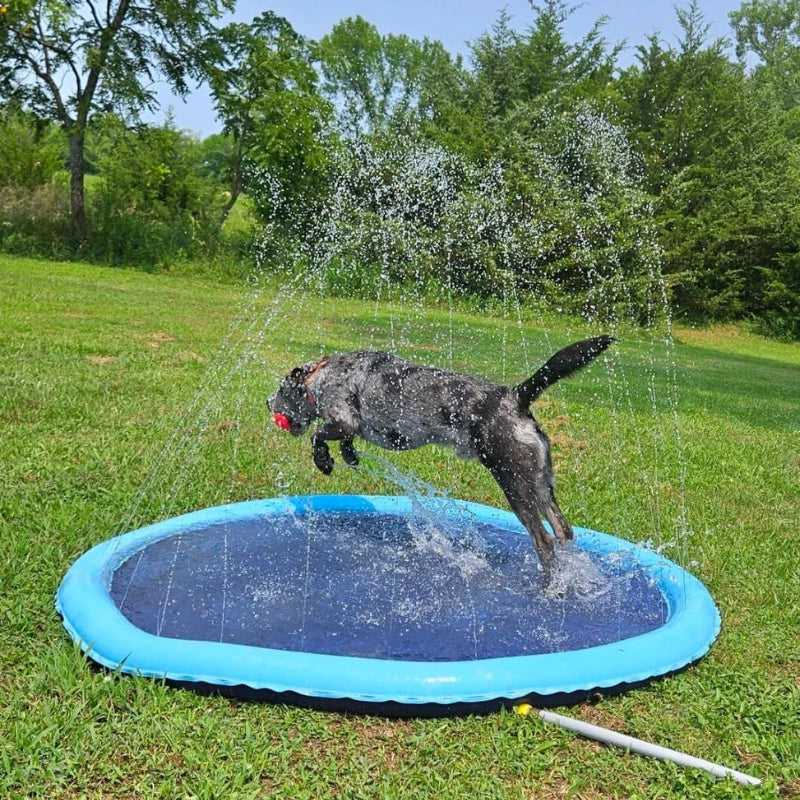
x=127 y=397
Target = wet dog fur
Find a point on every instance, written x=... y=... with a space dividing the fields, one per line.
x=401 y=406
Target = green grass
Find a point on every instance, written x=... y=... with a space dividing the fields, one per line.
x=126 y=397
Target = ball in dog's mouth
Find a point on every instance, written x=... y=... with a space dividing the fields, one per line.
x=282 y=421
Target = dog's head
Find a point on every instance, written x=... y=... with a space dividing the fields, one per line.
x=294 y=401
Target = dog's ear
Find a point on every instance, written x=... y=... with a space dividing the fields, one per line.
x=299 y=374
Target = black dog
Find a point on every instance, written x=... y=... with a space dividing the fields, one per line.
x=400 y=406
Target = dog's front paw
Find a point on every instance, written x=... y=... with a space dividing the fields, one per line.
x=349 y=453
x=323 y=460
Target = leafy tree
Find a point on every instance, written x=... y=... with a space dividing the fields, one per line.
x=770 y=29
x=492 y=58
x=218 y=152
x=722 y=171
x=68 y=60
x=265 y=93
x=547 y=62
x=518 y=72
x=381 y=81
x=34 y=211
x=679 y=102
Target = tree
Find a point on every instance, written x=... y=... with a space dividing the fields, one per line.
x=679 y=101
x=265 y=93
x=770 y=31
x=379 y=81
x=153 y=198
x=768 y=28
x=217 y=153
x=520 y=67
x=723 y=173
x=547 y=62
x=492 y=62
x=521 y=78
x=66 y=60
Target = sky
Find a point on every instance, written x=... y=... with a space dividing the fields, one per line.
x=454 y=23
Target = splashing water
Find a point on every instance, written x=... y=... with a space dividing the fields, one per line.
x=433 y=519
x=447 y=530
x=576 y=576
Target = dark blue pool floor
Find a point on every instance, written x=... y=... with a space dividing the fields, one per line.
x=381 y=586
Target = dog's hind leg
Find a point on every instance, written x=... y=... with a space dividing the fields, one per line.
x=561 y=528
x=529 y=517
x=518 y=485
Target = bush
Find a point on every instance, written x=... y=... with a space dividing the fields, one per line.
x=35 y=220
x=31 y=150
x=153 y=201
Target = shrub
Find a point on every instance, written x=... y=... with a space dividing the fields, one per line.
x=34 y=220
x=153 y=201
x=31 y=150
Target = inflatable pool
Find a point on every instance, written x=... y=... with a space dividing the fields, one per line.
x=381 y=604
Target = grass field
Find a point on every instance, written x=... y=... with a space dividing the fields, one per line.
x=126 y=397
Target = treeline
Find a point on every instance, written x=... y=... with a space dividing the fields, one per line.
x=539 y=165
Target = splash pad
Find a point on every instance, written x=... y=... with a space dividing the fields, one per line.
x=380 y=604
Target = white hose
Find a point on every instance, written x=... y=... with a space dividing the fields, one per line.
x=639 y=746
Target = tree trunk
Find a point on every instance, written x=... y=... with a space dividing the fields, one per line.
x=236 y=180
x=77 y=198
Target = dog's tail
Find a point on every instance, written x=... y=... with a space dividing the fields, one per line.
x=561 y=365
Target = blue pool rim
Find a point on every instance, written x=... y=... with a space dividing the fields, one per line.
x=92 y=619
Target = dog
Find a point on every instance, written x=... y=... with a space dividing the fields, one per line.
x=401 y=406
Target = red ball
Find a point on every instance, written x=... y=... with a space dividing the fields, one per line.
x=282 y=421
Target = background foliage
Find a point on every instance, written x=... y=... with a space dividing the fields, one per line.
x=552 y=169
